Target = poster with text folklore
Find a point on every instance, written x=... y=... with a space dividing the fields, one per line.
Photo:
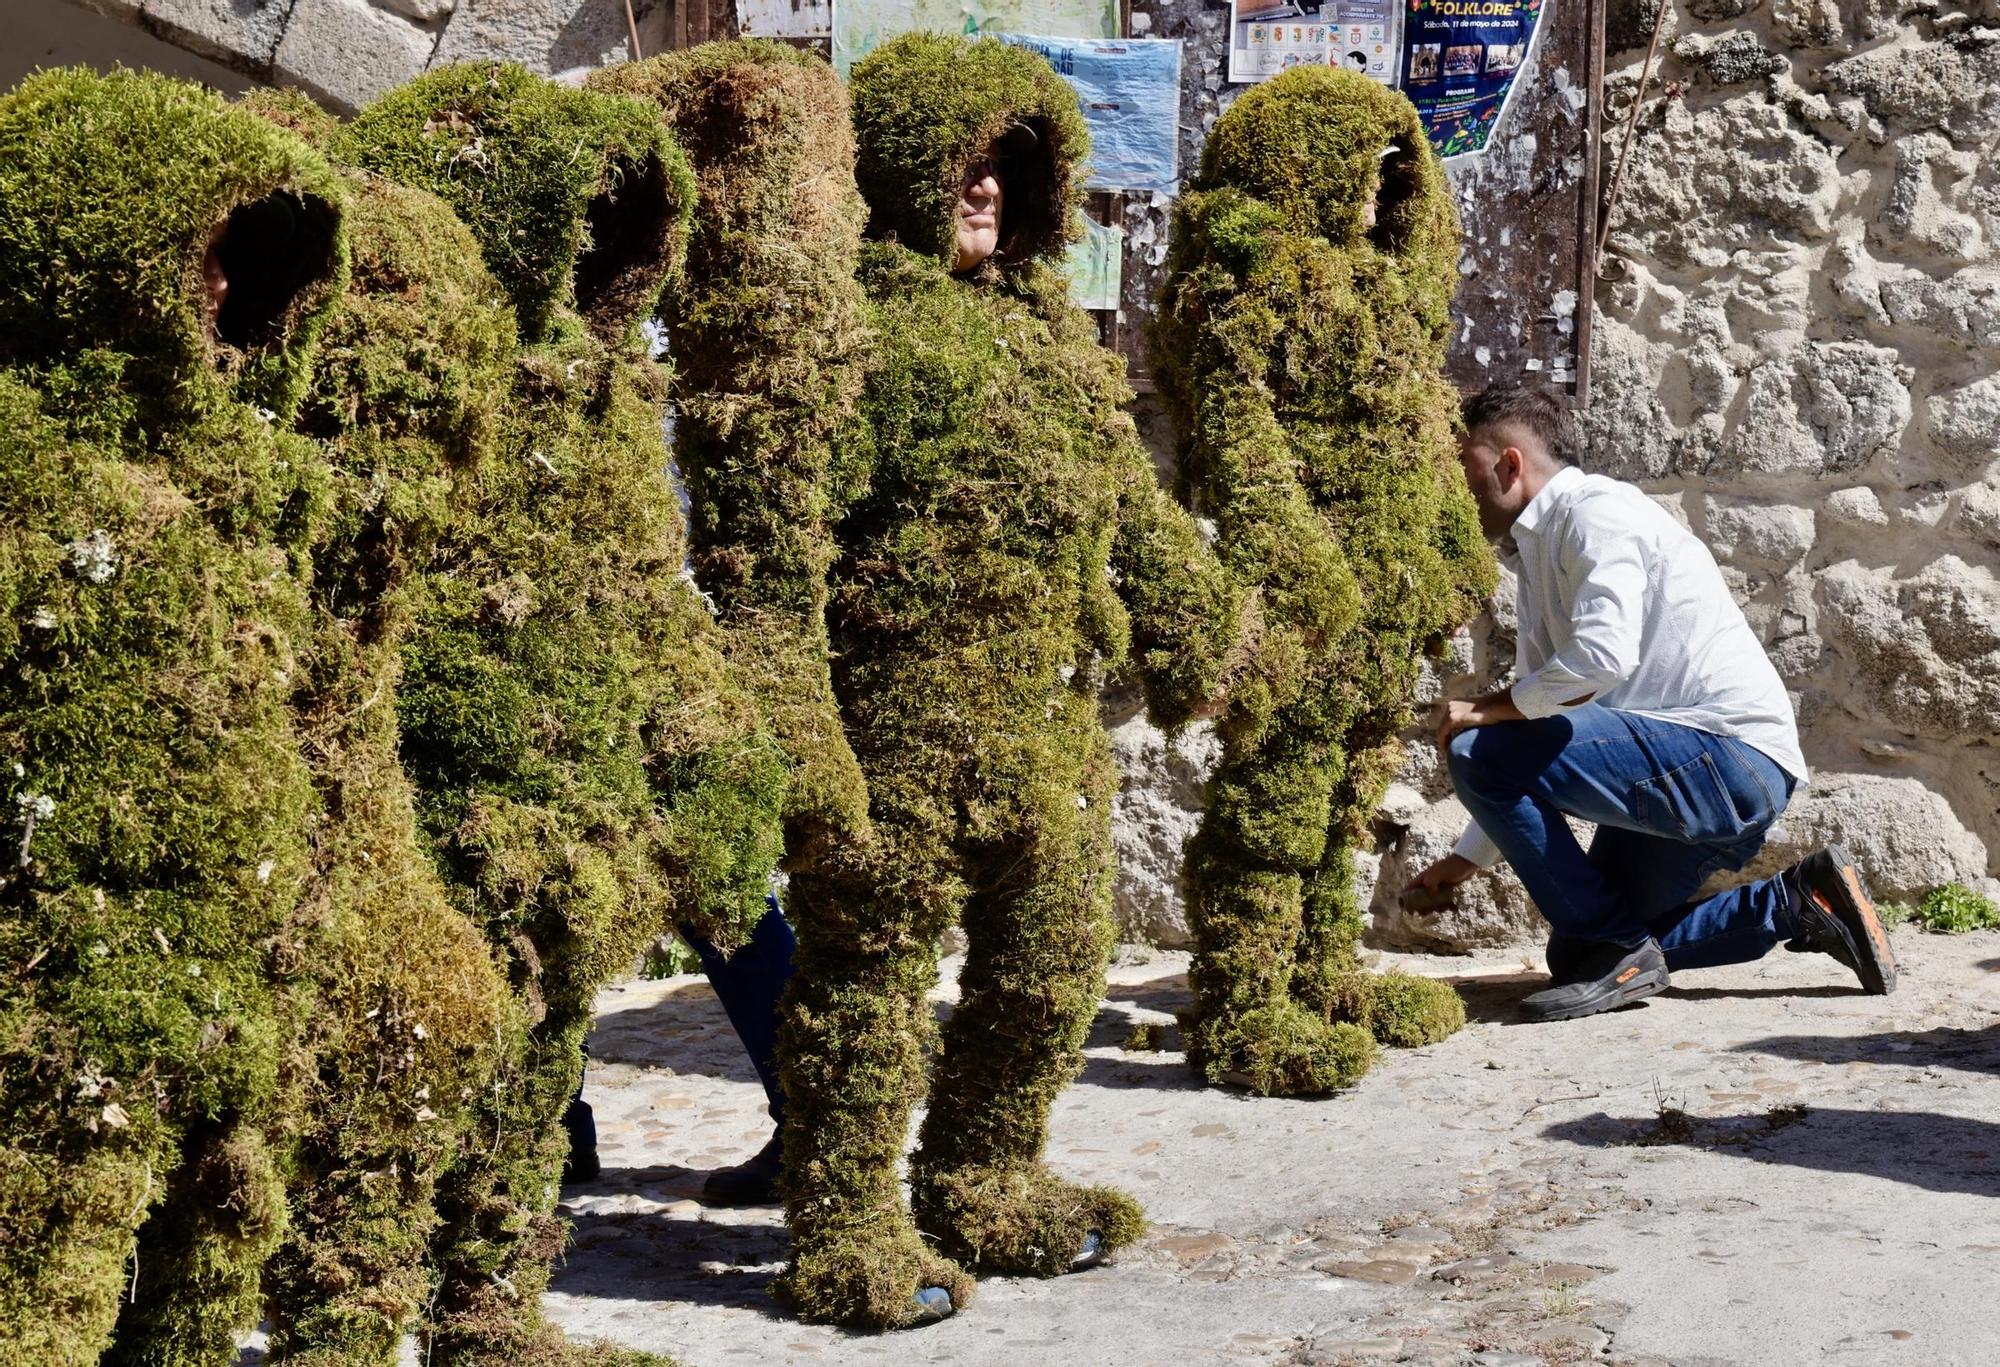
x=1460 y=61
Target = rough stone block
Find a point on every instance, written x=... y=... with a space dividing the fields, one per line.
x=1979 y=513
x=238 y=33
x=1743 y=529
x=548 y=35
x=1964 y=306
x=423 y=11
x=1828 y=406
x=1711 y=181
x=1905 y=837
x=1929 y=644
x=347 y=52
x=1159 y=805
x=1966 y=422
x=1917 y=84
x=1856 y=507
x=1491 y=909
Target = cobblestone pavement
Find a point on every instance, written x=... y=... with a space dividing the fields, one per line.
x=1761 y=1166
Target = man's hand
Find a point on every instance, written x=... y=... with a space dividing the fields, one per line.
x=1462 y=714
x=1448 y=872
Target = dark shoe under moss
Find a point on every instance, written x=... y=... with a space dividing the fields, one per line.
x=869 y=1277
x=1021 y=1220
x=1279 y=1050
x=753 y=1182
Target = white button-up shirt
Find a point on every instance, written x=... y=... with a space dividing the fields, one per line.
x=1620 y=605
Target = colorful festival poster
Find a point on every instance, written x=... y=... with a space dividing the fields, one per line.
x=861 y=26
x=1130 y=91
x=1460 y=59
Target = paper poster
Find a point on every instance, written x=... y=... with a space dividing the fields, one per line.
x=1369 y=37
x=1130 y=91
x=861 y=26
x=1266 y=38
x=1095 y=265
x=784 y=18
x=1460 y=58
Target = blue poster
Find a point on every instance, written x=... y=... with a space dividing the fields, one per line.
x=1460 y=59
x=1130 y=90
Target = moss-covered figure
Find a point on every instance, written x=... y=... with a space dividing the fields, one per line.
x=412 y=1011
x=767 y=328
x=993 y=509
x=165 y=262
x=586 y=769
x=1300 y=347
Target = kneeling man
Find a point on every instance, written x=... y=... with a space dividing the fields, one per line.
x=1643 y=703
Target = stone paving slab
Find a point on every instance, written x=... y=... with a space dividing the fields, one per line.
x=1761 y=1166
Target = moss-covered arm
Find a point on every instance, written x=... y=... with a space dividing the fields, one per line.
x=1186 y=612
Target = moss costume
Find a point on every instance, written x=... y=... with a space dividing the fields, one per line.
x=155 y=523
x=1300 y=350
x=585 y=768
x=768 y=329
x=1000 y=543
x=412 y=1011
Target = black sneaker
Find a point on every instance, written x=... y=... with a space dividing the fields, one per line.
x=1835 y=916
x=581 y=1165
x=753 y=1182
x=1598 y=976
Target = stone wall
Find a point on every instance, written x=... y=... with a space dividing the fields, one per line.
x=1796 y=352
x=346 y=52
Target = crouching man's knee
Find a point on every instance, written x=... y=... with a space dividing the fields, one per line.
x=1461 y=757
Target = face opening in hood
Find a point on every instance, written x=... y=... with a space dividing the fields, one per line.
x=261 y=259
x=927 y=105
x=631 y=226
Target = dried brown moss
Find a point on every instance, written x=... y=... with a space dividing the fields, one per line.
x=1300 y=348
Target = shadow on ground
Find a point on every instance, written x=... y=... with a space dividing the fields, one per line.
x=1942 y=1153
x=664 y=1257
x=1975 y=1051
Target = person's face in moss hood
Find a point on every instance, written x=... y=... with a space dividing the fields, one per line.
x=928 y=108
x=981 y=198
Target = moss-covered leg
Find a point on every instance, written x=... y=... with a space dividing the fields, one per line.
x=1038 y=928
x=201 y=1253
x=1265 y=827
x=499 y=1232
x=1398 y=1009
x=851 y=1051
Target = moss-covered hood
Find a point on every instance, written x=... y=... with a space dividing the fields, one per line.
x=111 y=190
x=1309 y=144
x=926 y=104
x=579 y=200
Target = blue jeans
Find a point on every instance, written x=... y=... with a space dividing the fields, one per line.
x=1672 y=806
x=750 y=983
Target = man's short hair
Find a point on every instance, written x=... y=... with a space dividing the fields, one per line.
x=1530 y=410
